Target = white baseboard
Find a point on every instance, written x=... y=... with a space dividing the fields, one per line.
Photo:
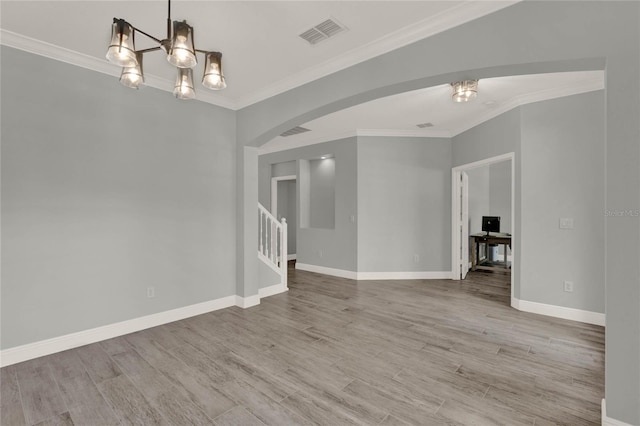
x=272 y=290
x=607 y=421
x=247 y=302
x=85 y=337
x=417 y=275
x=411 y=275
x=327 y=271
x=74 y=340
x=559 y=311
x=291 y=257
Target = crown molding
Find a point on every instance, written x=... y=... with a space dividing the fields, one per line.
x=423 y=133
x=277 y=145
x=458 y=15
x=52 y=51
x=284 y=145
x=543 y=95
x=443 y=21
x=584 y=87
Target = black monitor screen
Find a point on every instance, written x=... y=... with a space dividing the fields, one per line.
x=490 y=223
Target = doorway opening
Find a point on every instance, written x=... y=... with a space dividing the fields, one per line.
x=284 y=205
x=463 y=226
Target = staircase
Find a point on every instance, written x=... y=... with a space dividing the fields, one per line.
x=272 y=247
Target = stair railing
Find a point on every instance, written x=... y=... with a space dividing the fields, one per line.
x=272 y=241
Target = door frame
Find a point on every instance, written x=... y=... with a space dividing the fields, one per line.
x=274 y=192
x=455 y=211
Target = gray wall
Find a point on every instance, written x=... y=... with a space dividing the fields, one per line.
x=267 y=276
x=404 y=204
x=332 y=248
x=500 y=193
x=107 y=191
x=479 y=197
x=497 y=136
x=563 y=176
x=287 y=207
x=322 y=189
x=525 y=38
x=287 y=168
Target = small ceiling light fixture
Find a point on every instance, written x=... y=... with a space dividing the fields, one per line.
x=181 y=53
x=464 y=91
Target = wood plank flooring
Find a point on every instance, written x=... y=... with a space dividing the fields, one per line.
x=331 y=351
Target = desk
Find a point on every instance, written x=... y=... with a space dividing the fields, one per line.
x=477 y=239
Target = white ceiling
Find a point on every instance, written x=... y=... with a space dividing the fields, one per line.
x=398 y=115
x=262 y=53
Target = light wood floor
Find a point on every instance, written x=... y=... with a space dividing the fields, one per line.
x=330 y=351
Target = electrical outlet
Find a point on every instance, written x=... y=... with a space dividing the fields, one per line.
x=566 y=223
x=416 y=258
x=151 y=292
x=568 y=286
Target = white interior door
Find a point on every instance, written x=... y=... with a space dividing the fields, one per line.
x=464 y=225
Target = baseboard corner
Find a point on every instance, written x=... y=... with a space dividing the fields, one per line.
x=247 y=302
x=580 y=315
x=341 y=273
x=408 y=275
x=272 y=290
x=607 y=421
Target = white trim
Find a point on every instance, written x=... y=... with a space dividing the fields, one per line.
x=327 y=271
x=291 y=256
x=409 y=275
x=272 y=290
x=417 y=133
x=85 y=337
x=277 y=145
x=486 y=162
x=274 y=192
x=555 y=311
x=247 y=302
x=608 y=421
x=443 y=21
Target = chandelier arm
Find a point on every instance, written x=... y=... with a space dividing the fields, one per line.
x=169 y=20
x=148 y=35
x=151 y=49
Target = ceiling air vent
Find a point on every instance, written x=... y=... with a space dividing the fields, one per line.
x=322 y=31
x=295 y=131
x=424 y=125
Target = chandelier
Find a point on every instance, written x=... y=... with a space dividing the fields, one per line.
x=181 y=53
x=464 y=91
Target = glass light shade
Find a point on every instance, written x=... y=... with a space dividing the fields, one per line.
x=464 y=91
x=182 y=53
x=213 y=77
x=122 y=50
x=184 y=84
x=133 y=77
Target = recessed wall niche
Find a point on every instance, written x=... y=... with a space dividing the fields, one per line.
x=317 y=179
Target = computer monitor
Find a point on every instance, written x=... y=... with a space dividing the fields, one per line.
x=490 y=224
